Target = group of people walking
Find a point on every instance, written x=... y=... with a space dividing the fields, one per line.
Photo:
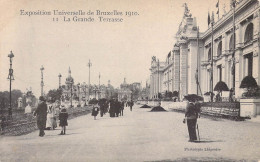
x=114 y=107
x=46 y=117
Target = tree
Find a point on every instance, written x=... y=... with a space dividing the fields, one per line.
x=5 y=97
x=54 y=95
x=114 y=95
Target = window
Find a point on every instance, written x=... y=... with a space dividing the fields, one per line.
x=219 y=72
x=209 y=54
x=219 y=52
x=249 y=33
x=249 y=64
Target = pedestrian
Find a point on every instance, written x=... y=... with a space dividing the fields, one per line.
x=41 y=115
x=122 y=108
x=131 y=104
x=63 y=117
x=51 y=122
x=111 y=108
x=95 y=110
x=191 y=116
x=117 y=108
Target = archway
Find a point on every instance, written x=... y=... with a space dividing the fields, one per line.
x=249 y=33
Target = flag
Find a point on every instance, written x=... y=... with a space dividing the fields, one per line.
x=208 y=18
x=217 y=5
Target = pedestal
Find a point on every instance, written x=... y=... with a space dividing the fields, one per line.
x=249 y=107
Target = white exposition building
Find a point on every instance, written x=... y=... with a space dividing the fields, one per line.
x=195 y=53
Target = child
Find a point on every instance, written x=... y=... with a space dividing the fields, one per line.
x=95 y=110
x=63 y=117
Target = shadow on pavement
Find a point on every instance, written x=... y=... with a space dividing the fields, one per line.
x=207 y=141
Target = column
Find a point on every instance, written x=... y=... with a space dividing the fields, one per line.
x=176 y=69
x=183 y=69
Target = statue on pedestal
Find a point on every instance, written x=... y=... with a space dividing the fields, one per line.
x=28 y=108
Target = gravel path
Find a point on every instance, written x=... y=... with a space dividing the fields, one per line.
x=139 y=135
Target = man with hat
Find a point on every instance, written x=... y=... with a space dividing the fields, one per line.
x=191 y=116
x=41 y=115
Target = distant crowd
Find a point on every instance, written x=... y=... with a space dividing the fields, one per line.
x=48 y=114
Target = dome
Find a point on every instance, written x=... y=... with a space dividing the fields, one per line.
x=69 y=79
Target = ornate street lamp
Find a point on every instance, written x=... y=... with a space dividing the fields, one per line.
x=42 y=83
x=85 y=91
x=89 y=65
x=59 y=80
x=10 y=77
x=71 y=84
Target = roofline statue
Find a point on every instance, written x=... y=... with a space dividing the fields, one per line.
x=186 y=11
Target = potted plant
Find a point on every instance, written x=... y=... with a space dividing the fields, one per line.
x=250 y=101
x=220 y=86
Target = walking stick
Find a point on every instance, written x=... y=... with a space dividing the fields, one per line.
x=198 y=131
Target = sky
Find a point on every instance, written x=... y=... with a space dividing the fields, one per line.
x=117 y=50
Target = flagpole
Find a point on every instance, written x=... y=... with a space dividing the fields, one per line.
x=198 y=55
x=234 y=44
x=211 y=84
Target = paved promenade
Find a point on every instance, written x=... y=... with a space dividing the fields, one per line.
x=137 y=136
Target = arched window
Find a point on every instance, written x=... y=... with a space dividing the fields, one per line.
x=231 y=42
x=219 y=52
x=209 y=54
x=249 y=33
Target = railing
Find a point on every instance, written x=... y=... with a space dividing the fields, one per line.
x=26 y=123
x=229 y=110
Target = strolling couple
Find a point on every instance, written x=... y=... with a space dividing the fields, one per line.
x=41 y=117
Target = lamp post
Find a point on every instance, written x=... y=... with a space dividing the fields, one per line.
x=71 y=84
x=89 y=65
x=42 y=84
x=158 y=78
x=59 y=80
x=10 y=77
x=95 y=90
x=99 y=86
x=78 y=89
x=85 y=91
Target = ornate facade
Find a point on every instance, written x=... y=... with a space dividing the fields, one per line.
x=194 y=52
x=81 y=92
x=124 y=93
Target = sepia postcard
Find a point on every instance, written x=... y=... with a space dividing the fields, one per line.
x=129 y=80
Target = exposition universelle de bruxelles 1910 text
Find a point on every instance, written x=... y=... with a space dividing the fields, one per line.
x=113 y=16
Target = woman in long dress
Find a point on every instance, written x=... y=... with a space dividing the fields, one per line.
x=51 y=122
